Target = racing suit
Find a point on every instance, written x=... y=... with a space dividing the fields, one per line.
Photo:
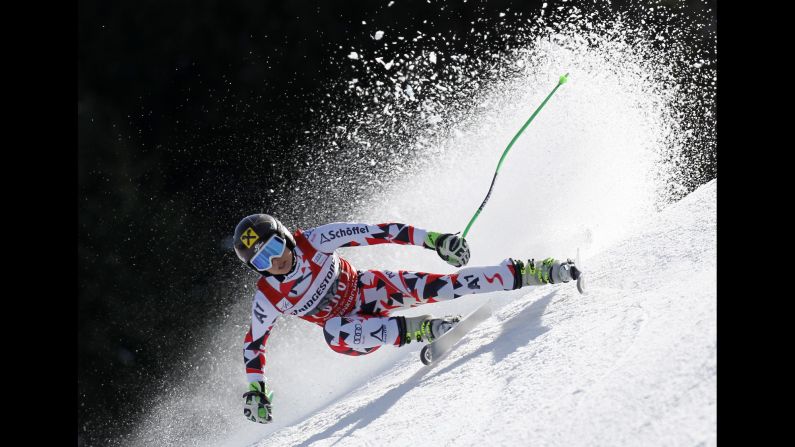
x=353 y=307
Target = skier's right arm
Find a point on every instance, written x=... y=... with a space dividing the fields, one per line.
x=326 y=238
x=257 y=400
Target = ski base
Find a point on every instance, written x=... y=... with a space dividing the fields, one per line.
x=435 y=350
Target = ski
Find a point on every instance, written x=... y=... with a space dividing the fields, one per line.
x=581 y=279
x=435 y=350
x=581 y=284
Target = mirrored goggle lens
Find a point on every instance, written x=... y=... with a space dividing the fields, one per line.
x=274 y=248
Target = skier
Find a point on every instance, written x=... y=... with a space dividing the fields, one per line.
x=303 y=276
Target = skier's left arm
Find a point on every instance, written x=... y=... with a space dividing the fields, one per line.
x=327 y=238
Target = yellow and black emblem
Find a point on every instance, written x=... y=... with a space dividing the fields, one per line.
x=249 y=237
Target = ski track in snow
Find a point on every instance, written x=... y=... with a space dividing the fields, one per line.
x=633 y=362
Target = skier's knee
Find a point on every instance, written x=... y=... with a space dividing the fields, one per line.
x=331 y=330
x=338 y=340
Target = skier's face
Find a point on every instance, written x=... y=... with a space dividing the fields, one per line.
x=282 y=264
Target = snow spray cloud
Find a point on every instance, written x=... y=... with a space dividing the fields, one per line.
x=414 y=137
x=415 y=98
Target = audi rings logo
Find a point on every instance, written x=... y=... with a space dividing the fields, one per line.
x=357 y=334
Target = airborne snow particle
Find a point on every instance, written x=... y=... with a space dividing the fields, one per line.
x=432 y=57
x=409 y=92
x=387 y=65
x=379 y=35
x=353 y=55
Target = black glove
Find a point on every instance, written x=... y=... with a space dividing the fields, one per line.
x=257 y=403
x=450 y=247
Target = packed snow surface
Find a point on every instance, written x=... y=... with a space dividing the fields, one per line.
x=631 y=363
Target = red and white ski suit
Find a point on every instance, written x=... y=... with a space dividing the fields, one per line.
x=353 y=306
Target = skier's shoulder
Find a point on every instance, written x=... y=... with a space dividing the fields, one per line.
x=309 y=240
x=303 y=234
x=263 y=289
x=260 y=289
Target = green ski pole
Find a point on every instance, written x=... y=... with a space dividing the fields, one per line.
x=561 y=81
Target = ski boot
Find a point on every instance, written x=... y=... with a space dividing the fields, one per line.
x=548 y=271
x=424 y=328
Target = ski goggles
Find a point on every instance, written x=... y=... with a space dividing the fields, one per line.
x=263 y=258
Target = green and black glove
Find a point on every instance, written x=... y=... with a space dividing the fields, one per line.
x=257 y=403
x=450 y=247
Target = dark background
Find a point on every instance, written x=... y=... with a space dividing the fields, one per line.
x=173 y=100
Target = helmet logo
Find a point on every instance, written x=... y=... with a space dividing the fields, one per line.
x=249 y=237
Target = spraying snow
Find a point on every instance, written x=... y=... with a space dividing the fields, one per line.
x=633 y=362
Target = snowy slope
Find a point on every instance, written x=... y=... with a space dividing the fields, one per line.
x=632 y=363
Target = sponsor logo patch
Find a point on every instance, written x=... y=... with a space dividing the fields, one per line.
x=284 y=304
x=259 y=314
x=472 y=283
x=320 y=291
x=357 y=334
x=496 y=276
x=342 y=232
x=319 y=258
x=379 y=334
x=249 y=237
